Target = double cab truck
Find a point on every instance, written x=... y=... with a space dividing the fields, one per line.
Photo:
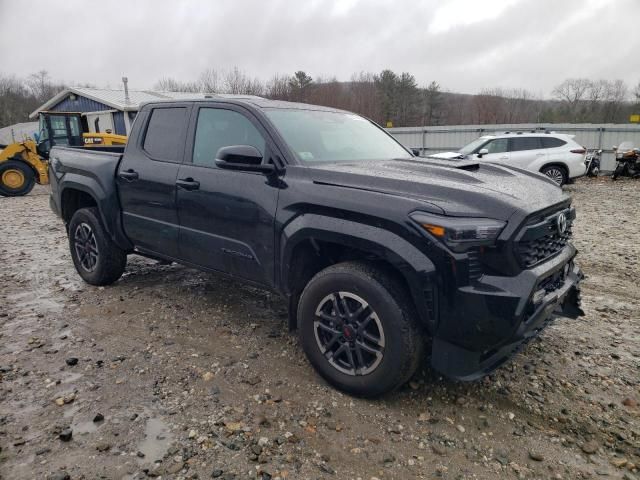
x=384 y=258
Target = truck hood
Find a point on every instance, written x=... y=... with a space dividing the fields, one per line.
x=456 y=188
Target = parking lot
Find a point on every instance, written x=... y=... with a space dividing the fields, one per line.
x=190 y=375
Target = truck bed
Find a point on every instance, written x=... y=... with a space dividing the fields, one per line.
x=88 y=170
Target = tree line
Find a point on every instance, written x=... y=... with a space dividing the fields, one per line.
x=21 y=96
x=387 y=97
x=397 y=99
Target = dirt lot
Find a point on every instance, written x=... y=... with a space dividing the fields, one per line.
x=174 y=373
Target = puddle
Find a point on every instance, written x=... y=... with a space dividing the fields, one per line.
x=40 y=301
x=157 y=440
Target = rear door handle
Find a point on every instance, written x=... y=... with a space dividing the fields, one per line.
x=188 y=183
x=128 y=175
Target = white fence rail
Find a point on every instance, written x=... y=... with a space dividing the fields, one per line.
x=451 y=138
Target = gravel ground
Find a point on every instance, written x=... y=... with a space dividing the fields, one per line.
x=173 y=373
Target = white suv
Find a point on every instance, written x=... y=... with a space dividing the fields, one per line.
x=556 y=155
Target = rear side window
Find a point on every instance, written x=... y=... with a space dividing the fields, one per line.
x=524 y=143
x=551 y=142
x=163 y=140
x=219 y=128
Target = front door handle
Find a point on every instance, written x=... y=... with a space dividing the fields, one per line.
x=128 y=175
x=504 y=158
x=188 y=183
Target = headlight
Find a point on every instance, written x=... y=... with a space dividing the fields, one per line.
x=459 y=234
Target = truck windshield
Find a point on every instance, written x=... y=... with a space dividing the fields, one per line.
x=323 y=136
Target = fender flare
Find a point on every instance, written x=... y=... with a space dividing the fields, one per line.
x=416 y=268
x=108 y=209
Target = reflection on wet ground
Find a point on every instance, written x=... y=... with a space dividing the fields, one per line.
x=157 y=439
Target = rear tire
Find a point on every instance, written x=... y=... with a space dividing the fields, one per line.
x=556 y=173
x=385 y=342
x=97 y=259
x=16 y=178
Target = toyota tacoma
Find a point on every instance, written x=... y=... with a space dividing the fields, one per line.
x=384 y=258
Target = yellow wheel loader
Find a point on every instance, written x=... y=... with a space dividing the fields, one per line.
x=23 y=164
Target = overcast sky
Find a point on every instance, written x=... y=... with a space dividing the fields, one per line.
x=465 y=45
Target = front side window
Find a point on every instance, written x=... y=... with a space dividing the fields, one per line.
x=326 y=136
x=498 y=145
x=474 y=146
x=525 y=143
x=217 y=128
x=163 y=140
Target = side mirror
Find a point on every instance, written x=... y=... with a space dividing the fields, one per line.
x=242 y=157
x=416 y=152
x=482 y=152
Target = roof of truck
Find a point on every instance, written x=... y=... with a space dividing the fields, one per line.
x=254 y=100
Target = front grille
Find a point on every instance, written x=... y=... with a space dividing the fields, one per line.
x=543 y=239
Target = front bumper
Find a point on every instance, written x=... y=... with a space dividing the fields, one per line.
x=485 y=324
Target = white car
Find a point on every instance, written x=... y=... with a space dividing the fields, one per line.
x=556 y=155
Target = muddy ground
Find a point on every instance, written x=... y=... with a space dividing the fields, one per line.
x=188 y=375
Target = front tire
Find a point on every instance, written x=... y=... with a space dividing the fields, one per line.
x=556 y=173
x=97 y=259
x=359 y=329
x=16 y=178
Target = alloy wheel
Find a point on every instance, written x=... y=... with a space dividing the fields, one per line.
x=555 y=174
x=349 y=333
x=86 y=247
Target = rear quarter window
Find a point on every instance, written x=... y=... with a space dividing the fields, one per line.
x=551 y=142
x=163 y=140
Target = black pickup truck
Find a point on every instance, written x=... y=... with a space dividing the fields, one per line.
x=384 y=258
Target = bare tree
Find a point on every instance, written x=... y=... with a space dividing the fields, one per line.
x=572 y=92
x=278 y=87
x=363 y=96
x=168 y=84
x=42 y=87
x=236 y=82
x=209 y=81
x=615 y=95
x=16 y=101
